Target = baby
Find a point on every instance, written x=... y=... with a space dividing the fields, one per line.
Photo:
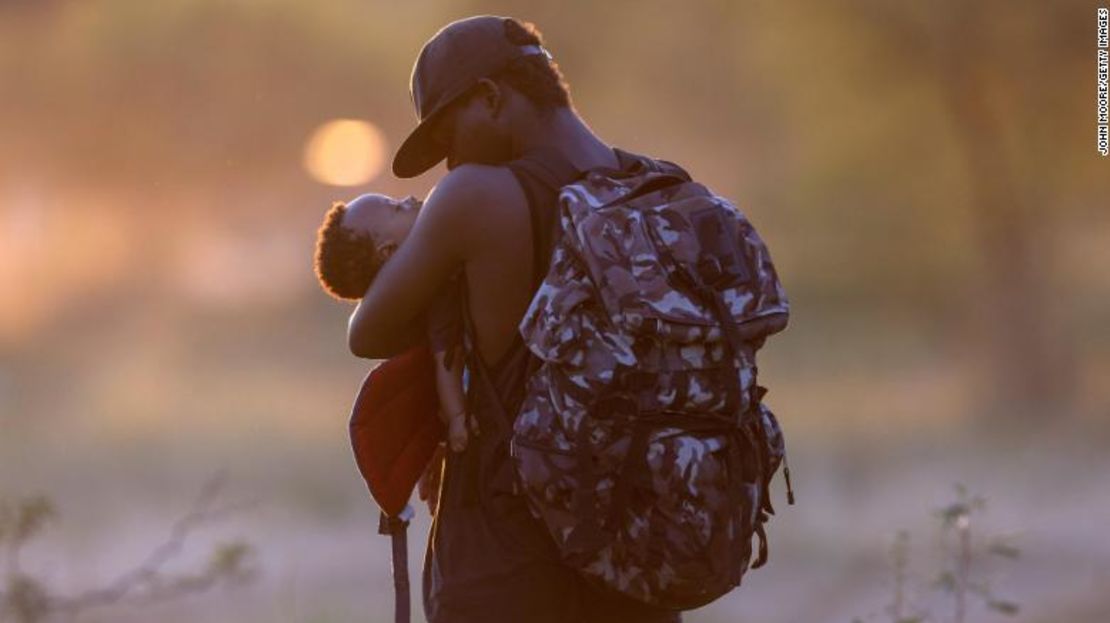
x=352 y=244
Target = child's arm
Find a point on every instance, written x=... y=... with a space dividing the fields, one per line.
x=444 y=334
x=452 y=400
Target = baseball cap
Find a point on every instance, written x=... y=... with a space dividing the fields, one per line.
x=449 y=64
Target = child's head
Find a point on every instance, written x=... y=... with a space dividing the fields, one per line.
x=356 y=238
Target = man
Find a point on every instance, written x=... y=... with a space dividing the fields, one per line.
x=493 y=103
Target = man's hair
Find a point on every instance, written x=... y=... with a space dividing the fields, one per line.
x=346 y=261
x=534 y=76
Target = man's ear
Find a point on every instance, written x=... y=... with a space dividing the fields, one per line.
x=492 y=95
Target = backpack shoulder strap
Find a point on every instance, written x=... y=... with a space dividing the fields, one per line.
x=632 y=161
x=549 y=167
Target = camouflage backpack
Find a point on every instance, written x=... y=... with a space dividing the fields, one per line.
x=642 y=442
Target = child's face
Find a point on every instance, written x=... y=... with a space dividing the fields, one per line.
x=387 y=219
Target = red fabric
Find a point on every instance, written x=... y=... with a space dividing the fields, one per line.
x=395 y=427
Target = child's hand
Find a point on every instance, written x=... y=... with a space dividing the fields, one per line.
x=456 y=432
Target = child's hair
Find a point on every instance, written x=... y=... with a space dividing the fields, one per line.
x=346 y=261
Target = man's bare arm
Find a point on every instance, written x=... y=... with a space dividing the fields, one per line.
x=389 y=319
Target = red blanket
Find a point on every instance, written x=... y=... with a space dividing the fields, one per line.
x=395 y=428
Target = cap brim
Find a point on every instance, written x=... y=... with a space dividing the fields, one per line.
x=419 y=152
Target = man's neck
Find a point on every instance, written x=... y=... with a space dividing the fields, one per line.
x=568 y=134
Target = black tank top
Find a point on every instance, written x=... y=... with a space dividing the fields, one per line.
x=541 y=174
x=482 y=529
x=483 y=533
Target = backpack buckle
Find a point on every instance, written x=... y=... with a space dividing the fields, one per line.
x=651 y=327
x=710 y=271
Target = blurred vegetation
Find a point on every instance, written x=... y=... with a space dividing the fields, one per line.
x=923 y=173
x=27 y=598
x=954 y=581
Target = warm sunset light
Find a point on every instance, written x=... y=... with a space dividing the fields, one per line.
x=193 y=428
x=345 y=152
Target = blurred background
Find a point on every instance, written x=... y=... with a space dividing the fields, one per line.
x=925 y=175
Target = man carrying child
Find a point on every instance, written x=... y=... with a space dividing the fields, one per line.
x=493 y=103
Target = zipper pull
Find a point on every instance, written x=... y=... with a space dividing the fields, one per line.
x=786 y=473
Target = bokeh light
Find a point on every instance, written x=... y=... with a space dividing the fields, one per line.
x=345 y=152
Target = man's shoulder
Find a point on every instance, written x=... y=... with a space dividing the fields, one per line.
x=478 y=186
x=473 y=205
